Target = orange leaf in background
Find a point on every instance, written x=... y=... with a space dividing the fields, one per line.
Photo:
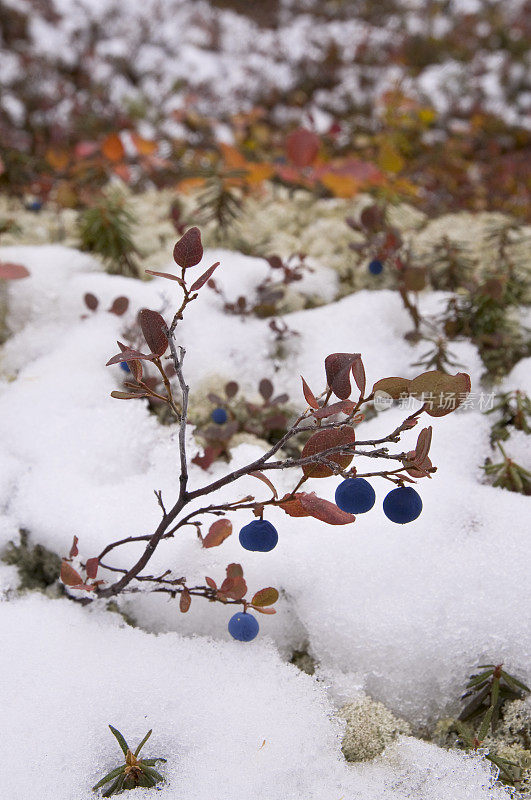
x=123 y=172
x=144 y=147
x=257 y=173
x=112 y=148
x=189 y=184
x=341 y=185
x=58 y=159
x=232 y=158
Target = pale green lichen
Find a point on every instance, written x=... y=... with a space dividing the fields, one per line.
x=370 y=728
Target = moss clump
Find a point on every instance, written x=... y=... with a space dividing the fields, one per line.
x=370 y=728
x=38 y=568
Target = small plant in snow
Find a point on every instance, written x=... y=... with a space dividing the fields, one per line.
x=329 y=450
x=106 y=228
x=134 y=772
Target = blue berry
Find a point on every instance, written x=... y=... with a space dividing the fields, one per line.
x=259 y=535
x=219 y=415
x=34 y=205
x=125 y=366
x=375 y=267
x=355 y=495
x=243 y=627
x=402 y=505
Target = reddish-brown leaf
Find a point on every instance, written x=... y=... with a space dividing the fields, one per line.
x=358 y=371
x=119 y=306
x=265 y=597
x=188 y=251
x=231 y=389
x=234 y=588
x=185 y=601
x=292 y=506
x=423 y=444
x=265 y=387
x=264 y=610
x=127 y=395
x=204 y=278
x=234 y=571
x=112 y=148
x=69 y=576
x=420 y=470
x=302 y=147
x=394 y=387
x=309 y=395
x=91 y=568
x=212 y=583
x=441 y=393
x=153 y=327
x=166 y=275
x=209 y=455
x=12 y=272
x=129 y=355
x=91 y=301
x=73 y=550
x=324 y=440
x=220 y=530
x=136 y=369
x=344 y=406
x=337 y=368
x=264 y=479
x=325 y=510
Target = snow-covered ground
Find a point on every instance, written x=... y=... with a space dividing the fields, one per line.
x=401 y=613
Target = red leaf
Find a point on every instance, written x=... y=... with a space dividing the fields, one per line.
x=262 y=477
x=234 y=571
x=153 y=327
x=234 y=588
x=11 y=272
x=423 y=444
x=209 y=456
x=324 y=440
x=119 y=306
x=265 y=387
x=166 y=275
x=325 y=510
x=309 y=395
x=204 y=277
x=212 y=583
x=302 y=147
x=219 y=531
x=185 y=601
x=292 y=506
x=91 y=301
x=91 y=568
x=337 y=368
x=129 y=355
x=358 y=370
x=73 y=550
x=136 y=369
x=344 y=406
x=188 y=251
x=265 y=610
x=69 y=576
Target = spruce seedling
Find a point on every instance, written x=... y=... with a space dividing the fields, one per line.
x=134 y=772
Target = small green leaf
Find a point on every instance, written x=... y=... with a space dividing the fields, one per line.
x=486 y=723
x=120 y=739
x=156 y=776
x=142 y=743
x=116 y=786
x=151 y=762
x=109 y=777
x=512 y=680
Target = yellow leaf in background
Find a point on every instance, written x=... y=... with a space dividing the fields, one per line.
x=57 y=159
x=112 y=148
x=340 y=185
x=427 y=115
x=390 y=159
x=65 y=195
x=189 y=184
x=257 y=173
x=145 y=147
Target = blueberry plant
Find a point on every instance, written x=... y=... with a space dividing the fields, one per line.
x=328 y=419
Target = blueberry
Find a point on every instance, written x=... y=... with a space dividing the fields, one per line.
x=259 y=535
x=375 y=267
x=125 y=366
x=355 y=495
x=219 y=415
x=34 y=205
x=243 y=627
x=402 y=505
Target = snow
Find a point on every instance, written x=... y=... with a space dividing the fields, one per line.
x=403 y=613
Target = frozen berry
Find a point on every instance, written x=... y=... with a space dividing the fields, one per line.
x=259 y=535
x=219 y=415
x=125 y=366
x=355 y=495
x=243 y=627
x=402 y=505
x=375 y=267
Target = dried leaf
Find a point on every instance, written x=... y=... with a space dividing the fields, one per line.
x=337 y=368
x=265 y=387
x=234 y=588
x=119 y=306
x=127 y=395
x=265 y=610
x=231 y=389
x=185 y=600
x=262 y=477
x=414 y=279
x=112 y=148
x=69 y=576
x=309 y=395
x=188 y=251
x=344 y=406
x=325 y=510
x=441 y=393
x=91 y=568
x=265 y=597
x=220 y=530
x=358 y=371
x=166 y=275
x=212 y=583
x=423 y=444
x=153 y=327
x=292 y=506
x=372 y=217
x=394 y=387
x=12 y=272
x=324 y=440
x=204 y=277
x=234 y=571
x=302 y=147
x=91 y=301
x=128 y=354
x=73 y=550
